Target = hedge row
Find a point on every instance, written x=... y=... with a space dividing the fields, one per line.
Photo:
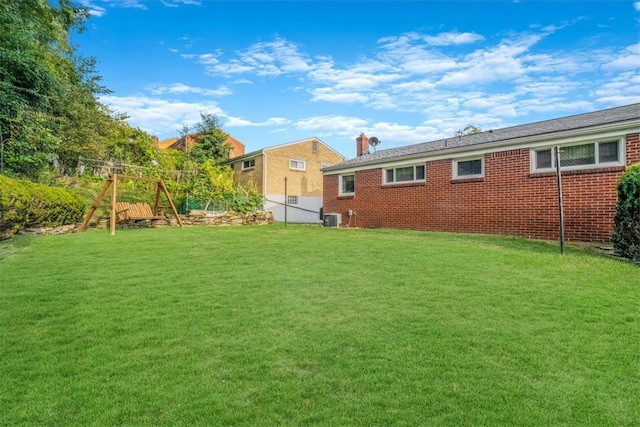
x=24 y=204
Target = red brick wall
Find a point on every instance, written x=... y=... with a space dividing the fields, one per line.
x=509 y=200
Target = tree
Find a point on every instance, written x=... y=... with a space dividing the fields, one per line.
x=48 y=105
x=32 y=143
x=211 y=141
x=468 y=130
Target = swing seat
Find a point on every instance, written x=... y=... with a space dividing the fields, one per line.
x=135 y=212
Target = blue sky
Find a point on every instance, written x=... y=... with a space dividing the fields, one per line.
x=405 y=72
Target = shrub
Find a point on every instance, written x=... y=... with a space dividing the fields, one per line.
x=25 y=204
x=626 y=234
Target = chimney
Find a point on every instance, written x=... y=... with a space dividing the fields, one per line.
x=362 y=145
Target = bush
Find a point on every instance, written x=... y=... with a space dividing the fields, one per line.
x=25 y=204
x=626 y=234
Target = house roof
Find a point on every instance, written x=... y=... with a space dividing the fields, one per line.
x=166 y=143
x=502 y=136
x=262 y=150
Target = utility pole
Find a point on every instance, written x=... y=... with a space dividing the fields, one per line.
x=285 y=201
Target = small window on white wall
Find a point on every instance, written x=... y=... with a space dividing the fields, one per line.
x=468 y=168
x=292 y=200
x=297 y=164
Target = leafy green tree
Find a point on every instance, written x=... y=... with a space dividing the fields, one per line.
x=29 y=151
x=211 y=141
x=48 y=102
x=468 y=130
x=86 y=125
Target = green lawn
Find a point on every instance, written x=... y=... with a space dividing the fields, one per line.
x=273 y=326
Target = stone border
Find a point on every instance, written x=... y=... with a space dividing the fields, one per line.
x=194 y=218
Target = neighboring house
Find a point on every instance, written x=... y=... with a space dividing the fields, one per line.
x=298 y=162
x=496 y=182
x=237 y=148
x=165 y=143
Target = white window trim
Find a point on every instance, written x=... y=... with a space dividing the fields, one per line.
x=597 y=165
x=413 y=181
x=340 y=192
x=467 y=159
x=304 y=165
x=250 y=167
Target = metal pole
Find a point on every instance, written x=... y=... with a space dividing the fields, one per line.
x=560 y=207
x=285 y=201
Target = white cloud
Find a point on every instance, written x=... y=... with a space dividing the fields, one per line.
x=360 y=76
x=332 y=124
x=452 y=38
x=177 y=3
x=100 y=10
x=264 y=59
x=240 y=122
x=546 y=86
x=626 y=85
x=502 y=62
x=136 y=4
x=329 y=95
x=181 y=88
x=628 y=59
x=636 y=6
x=159 y=116
x=409 y=54
x=94 y=10
x=394 y=134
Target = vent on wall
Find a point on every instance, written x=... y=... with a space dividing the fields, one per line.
x=332 y=219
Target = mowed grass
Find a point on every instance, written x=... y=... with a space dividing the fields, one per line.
x=267 y=325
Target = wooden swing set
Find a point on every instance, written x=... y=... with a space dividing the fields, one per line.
x=123 y=211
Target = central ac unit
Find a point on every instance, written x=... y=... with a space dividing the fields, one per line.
x=332 y=220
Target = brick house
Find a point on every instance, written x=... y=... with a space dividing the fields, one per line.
x=495 y=182
x=300 y=162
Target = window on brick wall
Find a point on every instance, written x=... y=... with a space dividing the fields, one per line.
x=297 y=164
x=593 y=154
x=468 y=168
x=404 y=174
x=248 y=164
x=347 y=184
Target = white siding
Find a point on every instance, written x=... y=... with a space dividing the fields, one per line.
x=306 y=211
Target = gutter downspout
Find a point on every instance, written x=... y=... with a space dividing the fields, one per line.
x=264 y=174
